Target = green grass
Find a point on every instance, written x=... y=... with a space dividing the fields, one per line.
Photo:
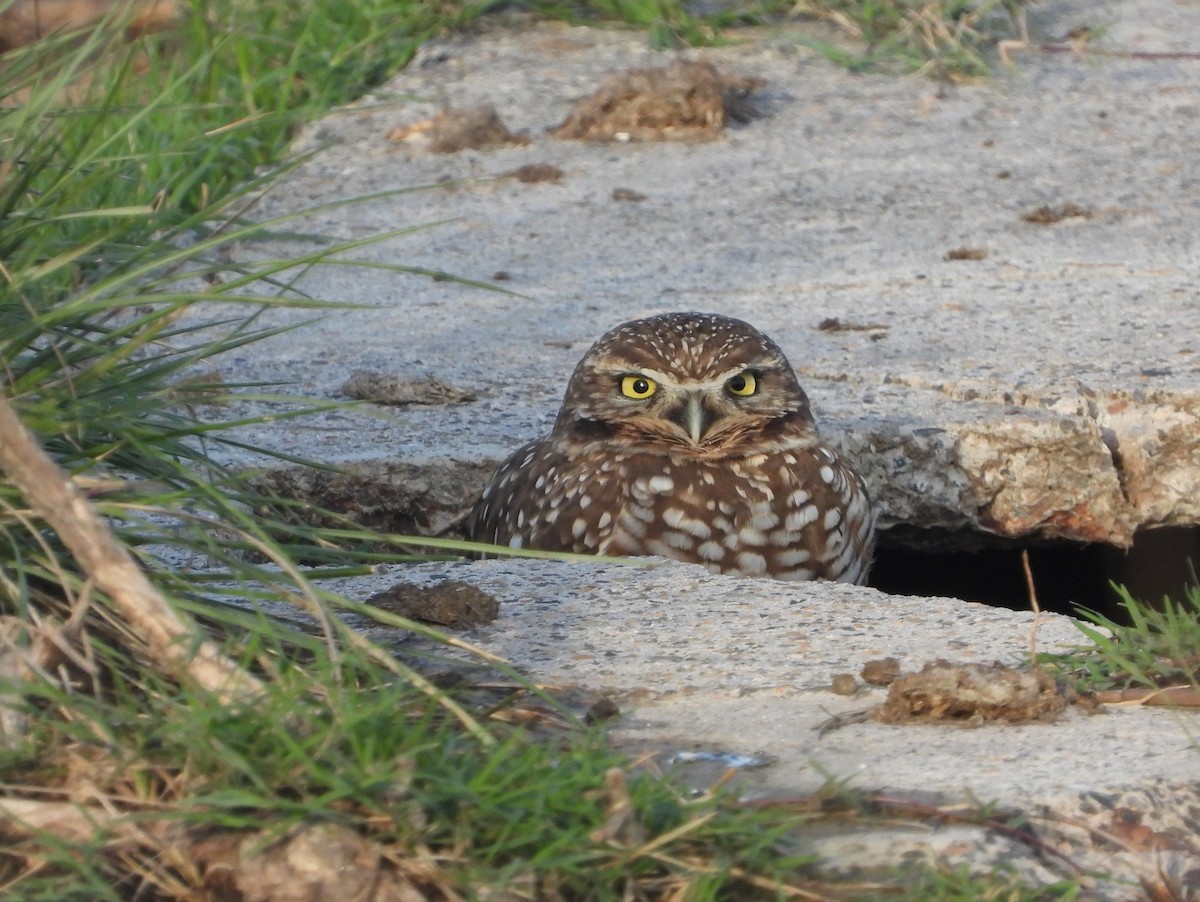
x=949 y=39
x=126 y=172
x=1158 y=647
x=339 y=746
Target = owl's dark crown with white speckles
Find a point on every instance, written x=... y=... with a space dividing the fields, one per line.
x=686 y=354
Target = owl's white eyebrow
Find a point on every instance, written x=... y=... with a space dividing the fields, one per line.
x=617 y=371
x=669 y=381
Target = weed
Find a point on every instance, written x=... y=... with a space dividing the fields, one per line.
x=1160 y=646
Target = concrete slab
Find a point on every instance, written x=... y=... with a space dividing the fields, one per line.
x=710 y=665
x=1050 y=389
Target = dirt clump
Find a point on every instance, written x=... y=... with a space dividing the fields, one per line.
x=974 y=693
x=451 y=603
x=396 y=390
x=688 y=101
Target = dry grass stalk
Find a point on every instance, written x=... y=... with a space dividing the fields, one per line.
x=173 y=643
x=25 y=21
x=1034 y=606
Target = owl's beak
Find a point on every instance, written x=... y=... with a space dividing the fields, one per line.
x=694 y=418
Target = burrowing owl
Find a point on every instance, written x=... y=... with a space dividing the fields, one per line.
x=685 y=435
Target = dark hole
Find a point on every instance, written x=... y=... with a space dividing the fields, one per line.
x=1066 y=575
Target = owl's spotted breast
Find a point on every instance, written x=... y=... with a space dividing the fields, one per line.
x=707 y=454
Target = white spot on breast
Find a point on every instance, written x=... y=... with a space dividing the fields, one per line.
x=520 y=519
x=514 y=542
x=680 y=540
x=763 y=518
x=645 y=514
x=797 y=498
x=827 y=474
x=605 y=519
x=630 y=527
x=660 y=485
x=833 y=516
x=751 y=563
x=745 y=536
x=710 y=551
x=578 y=528
x=797 y=520
x=792 y=557
x=677 y=519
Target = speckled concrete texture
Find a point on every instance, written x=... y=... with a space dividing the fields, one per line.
x=1050 y=389
x=729 y=667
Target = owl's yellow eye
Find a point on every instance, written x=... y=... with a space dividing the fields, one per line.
x=743 y=384
x=638 y=387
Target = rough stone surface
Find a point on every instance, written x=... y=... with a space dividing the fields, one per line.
x=1050 y=388
x=730 y=669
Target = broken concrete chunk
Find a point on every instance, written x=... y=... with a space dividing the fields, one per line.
x=386 y=495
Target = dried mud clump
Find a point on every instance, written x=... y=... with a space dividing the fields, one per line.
x=1047 y=215
x=881 y=671
x=688 y=101
x=966 y=253
x=531 y=173
x=452 y=130
x=388 y=388
x=451 y=603
x=975 y=693
x=476 y=128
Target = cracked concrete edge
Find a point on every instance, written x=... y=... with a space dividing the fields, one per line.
x=1082 y=465
x=1128 y=458
x=1114 y=843
x=1080 y=469
x=1033 y=473
x=700 y=662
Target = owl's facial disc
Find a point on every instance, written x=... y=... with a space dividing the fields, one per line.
x=695 y=408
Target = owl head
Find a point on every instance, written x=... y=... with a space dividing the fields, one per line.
x=686 y=383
